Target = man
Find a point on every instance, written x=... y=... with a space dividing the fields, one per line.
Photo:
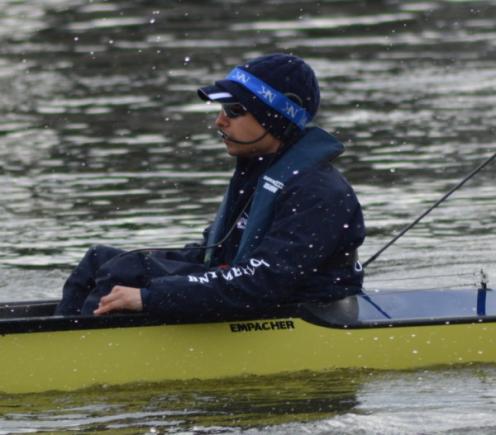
x=287 y=230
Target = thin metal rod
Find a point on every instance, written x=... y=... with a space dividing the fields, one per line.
x=425 y=213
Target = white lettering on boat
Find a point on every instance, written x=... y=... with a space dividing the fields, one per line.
x=269 y=325
x=230 y=273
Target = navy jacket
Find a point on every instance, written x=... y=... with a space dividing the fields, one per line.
x=295 y=226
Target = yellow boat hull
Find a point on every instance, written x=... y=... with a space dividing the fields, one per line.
x=73 y=359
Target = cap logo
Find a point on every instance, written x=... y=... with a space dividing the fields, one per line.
x=241 y=76
x=291 y=110
x=270 y=96
x=267 y=94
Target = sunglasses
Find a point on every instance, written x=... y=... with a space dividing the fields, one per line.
x=234 y=110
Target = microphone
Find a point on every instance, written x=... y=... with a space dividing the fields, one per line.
x=224 y=135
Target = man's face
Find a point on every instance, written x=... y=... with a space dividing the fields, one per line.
x=245 y=128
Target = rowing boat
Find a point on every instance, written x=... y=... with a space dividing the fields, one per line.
x=389 y=330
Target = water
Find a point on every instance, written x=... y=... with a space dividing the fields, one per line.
x=102 y=140
x=458 y=401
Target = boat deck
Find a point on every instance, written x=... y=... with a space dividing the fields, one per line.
x=411 y=307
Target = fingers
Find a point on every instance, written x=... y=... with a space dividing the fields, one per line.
x=107 y=306
x=120 y=298
x=114 y=295
x=108 y=303
x=111 y=302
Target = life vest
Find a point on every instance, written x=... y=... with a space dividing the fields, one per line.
x=315 y=146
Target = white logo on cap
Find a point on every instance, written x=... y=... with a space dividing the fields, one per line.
x=267 y=94
x=242 y=77
x=291 y=110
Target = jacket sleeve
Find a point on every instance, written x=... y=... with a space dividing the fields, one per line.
x=310 y=223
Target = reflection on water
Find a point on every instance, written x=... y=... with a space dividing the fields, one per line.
x=102 y=140
x=342 y=402
x=206 y=406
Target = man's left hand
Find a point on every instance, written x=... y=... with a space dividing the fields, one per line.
x=120 y=298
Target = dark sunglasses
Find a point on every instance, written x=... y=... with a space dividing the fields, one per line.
x=233 y=110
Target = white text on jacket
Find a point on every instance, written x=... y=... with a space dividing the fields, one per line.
x=230 y=273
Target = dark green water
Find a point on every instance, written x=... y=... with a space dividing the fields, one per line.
x=102 y=140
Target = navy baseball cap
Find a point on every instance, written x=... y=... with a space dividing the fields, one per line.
x=279 y=90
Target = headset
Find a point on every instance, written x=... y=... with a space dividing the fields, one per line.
x=224 y=135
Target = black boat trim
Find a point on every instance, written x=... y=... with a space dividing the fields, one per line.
x=36 y=316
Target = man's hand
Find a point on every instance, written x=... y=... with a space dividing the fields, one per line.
x=120 y=298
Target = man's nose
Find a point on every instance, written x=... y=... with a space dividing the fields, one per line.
x=222 y=120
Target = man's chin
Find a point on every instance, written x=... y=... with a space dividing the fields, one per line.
x=237 y=150
x=232 y=150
